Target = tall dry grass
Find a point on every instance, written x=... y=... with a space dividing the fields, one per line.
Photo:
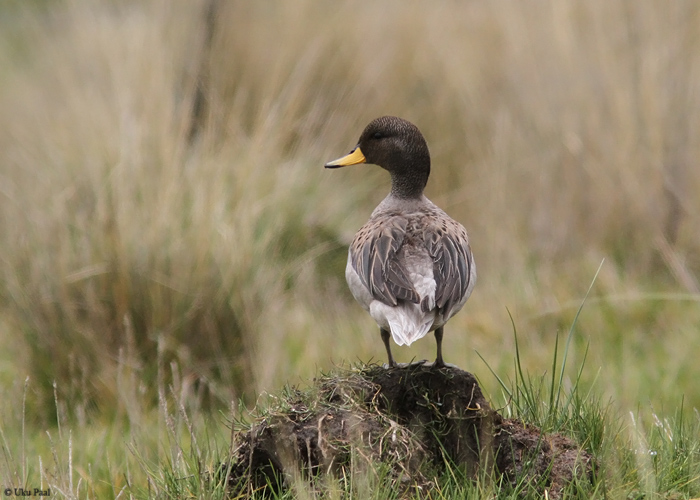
x=142 y=237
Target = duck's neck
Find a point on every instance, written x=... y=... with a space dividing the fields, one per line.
x=409 y=185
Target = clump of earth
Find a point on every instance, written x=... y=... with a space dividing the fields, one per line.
x=412 y=421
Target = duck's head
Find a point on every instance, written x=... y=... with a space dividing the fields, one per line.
x=397 y=146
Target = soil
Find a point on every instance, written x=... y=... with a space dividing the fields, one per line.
x=413 y=419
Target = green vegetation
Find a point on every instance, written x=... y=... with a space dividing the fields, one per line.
x=171 y=243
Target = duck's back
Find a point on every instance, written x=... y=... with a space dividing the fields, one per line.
x=411 y=267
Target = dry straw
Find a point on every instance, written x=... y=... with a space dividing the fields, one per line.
x=162 y=197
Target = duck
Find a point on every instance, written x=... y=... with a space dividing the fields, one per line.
x=411 y=265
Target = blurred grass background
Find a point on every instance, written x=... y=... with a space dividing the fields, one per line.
x=165 y=214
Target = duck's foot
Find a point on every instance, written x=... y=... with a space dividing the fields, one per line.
x=438 y=364
x=406 y=365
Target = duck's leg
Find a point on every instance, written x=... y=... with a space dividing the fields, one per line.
x=385 y=337
x=439 y=362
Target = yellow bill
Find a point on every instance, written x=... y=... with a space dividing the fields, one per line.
x=353 y=158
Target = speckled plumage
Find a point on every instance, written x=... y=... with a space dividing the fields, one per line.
x=410 y=265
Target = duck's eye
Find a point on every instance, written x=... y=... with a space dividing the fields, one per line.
x=377 y=135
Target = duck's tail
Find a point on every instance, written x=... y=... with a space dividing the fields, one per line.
x=407 y=322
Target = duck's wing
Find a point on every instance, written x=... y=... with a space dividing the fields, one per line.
x=448 y=244
x=373 y=256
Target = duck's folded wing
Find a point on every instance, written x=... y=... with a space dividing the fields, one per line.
x=448 y=245
x=373 y=256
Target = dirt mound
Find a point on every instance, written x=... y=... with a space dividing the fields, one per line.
x=411 y=420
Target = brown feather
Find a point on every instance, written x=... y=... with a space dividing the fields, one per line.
x=374 y=257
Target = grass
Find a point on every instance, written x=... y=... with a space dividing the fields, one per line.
x=169 y=234
x=176 y=451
